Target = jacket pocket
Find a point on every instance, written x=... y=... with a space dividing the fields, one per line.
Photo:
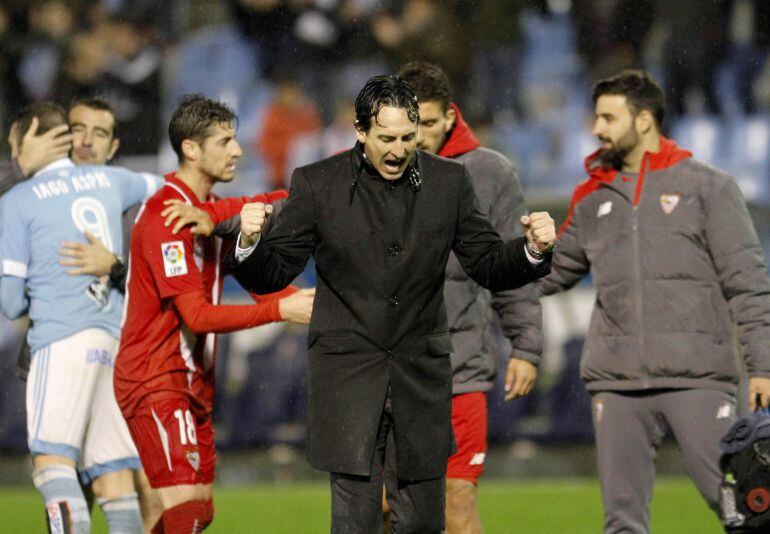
x=439 y=344
x=331 y=342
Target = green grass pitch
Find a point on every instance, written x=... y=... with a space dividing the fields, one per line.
x=526 y=507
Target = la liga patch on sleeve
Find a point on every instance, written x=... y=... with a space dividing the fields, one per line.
x=173 y=258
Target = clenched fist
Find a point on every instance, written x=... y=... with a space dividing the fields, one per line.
x=253 y=218
x=540 y=230
x=297 y=308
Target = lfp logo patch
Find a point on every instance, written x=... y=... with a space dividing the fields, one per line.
x=173 y=258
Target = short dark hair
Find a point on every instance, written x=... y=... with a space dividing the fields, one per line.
x=49 y=116
x=193 y=119
x=382 y=91
x=641 y=90
x=428 y=82
x=95 y=102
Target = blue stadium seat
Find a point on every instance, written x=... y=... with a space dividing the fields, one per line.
x=220 y=63
x=748 y=156
x=550 y=56
x=573 y=147
x=703 y=136
x=529 y=146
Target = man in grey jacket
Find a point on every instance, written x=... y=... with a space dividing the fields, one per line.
x=677 y=265
x=443 y=131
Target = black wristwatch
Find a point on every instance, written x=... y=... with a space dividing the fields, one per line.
x=118 y=274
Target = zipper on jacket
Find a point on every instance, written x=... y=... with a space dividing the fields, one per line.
x=637 y=273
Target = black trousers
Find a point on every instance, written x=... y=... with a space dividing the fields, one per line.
x=417 y=505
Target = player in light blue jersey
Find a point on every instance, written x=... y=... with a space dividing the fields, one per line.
x=60 y=203
x=93 y=141
x=72 y=417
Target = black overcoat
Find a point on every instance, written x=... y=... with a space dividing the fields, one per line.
x=381 y=250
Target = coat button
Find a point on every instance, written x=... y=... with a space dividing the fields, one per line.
x=389 y=354
x=393 y=301
x=394 y=250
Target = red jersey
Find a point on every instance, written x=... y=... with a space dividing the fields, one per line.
x=159 y=354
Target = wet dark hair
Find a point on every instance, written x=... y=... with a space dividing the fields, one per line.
x=382 y=91
x=642 y=92
x=94 y=102
x=49 y=116
x=193 y=119
x=428 y=82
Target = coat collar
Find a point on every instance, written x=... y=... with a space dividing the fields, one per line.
x=362 y=165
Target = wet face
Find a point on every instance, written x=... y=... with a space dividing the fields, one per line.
x=435 y=124
x=219 y=153
x=93 y=135
x=390 y=142
x=615 y=127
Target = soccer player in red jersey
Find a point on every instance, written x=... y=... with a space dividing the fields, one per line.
x=164 y=372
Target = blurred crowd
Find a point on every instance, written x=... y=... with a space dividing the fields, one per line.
x=522 y=72
x=291 y=67
x=63 y=49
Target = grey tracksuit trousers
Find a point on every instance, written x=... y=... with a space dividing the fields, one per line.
x=629 y=428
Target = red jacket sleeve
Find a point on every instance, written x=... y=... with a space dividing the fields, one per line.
x=225 y=208
x=202 y=317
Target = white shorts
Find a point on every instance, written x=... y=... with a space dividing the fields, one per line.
x=71 y=407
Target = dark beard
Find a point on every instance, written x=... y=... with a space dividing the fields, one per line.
x=614 y=157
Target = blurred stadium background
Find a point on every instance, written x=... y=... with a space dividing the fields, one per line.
x=522 y=72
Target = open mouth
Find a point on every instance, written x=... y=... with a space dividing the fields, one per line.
x=393 y=166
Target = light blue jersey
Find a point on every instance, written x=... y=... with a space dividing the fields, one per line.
x=59 y=204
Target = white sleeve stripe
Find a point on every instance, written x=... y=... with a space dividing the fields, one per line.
x=14 y=268
x=151 y=182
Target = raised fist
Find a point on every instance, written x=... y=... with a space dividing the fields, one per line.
x=540 y=230
x=253 y=218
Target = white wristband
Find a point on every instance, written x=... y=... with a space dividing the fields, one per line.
x=243 y=253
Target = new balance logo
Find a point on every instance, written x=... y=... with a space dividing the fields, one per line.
x=724 y=411
x=604 y=209
x=478 y=459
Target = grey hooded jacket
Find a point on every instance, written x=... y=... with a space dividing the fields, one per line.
x=677 y=265
x=469 y=306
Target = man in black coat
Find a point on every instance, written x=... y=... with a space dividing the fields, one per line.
x=380 y=220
